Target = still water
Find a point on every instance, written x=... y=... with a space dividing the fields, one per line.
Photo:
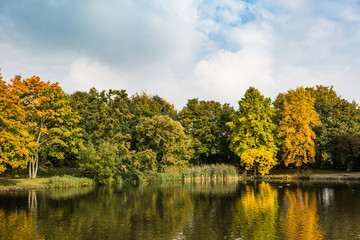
x=173 y=210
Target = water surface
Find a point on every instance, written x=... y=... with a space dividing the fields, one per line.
x=174 y=210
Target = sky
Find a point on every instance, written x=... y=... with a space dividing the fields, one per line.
x=183 y=49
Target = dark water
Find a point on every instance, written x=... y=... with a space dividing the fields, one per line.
x=256 y=210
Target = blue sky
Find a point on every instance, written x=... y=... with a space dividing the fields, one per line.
x=181 y=49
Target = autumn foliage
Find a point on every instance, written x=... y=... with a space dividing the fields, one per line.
x=16 y=144
x=109 y=133
x=298 y=118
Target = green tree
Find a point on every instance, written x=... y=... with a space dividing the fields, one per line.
x=205 y=122
x=103 y=162
x=49 y=118
x=347 y=151
x=338 y=118
x=298 y=117
x=16 y=144
x=166 y=138
x=145 y=105
x=104 y=115
x=253 y=130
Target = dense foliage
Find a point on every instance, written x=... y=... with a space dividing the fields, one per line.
x=108 y=134
x=253 y=136
x=16 y=144
x=205 y=122
x=298 y=118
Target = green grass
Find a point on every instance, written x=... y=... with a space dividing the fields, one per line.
x=43 y=172
x=23 y=183
x=18 y=179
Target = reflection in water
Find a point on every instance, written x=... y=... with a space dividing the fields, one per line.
x=302 y=220
x=175 y=210
x=255 y=214
x=18 y=225
x=68 y=193
x=32 y=201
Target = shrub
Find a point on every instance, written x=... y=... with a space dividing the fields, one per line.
x=102 y=162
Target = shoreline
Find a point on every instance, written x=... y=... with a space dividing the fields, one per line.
x=20 y=184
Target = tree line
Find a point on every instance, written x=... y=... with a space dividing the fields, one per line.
x=109 y=133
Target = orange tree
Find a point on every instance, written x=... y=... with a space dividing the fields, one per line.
x=298 y=118
x=49 y=118
x=16 y=144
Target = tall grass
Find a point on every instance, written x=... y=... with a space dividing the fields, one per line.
x=69 y=181
x=213 y=172
x=166 y=177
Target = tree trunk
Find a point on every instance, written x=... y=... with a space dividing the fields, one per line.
x=254 y=168
x=297 y=170
x=34 y=165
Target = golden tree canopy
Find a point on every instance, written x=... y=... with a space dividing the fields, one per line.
x=298 y=118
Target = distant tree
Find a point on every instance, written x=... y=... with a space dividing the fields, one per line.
x=145 y=105
x=205 y=122
x=49 y=118
x=253 y=132
x=104 y=115
x=166 y=138
x=338 y=118
x=298 y=117
x=16 y=144
x=347 y=151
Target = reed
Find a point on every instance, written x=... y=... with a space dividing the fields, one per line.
x=69 y=181
x=213 y=172
x=166 y=177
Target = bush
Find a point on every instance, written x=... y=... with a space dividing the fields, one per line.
x=102 y=162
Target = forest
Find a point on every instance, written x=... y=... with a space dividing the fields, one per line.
x=109 y=133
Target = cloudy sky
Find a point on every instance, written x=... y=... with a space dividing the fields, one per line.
x=181 y=49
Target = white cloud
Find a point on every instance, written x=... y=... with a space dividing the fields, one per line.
x=185 y=49
x=226 y=75
x=85 y=74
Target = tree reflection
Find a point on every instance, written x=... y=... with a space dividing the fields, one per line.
x=302 y=221
x=18 y=225
x=256 y=213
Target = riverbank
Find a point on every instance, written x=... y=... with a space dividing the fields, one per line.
x=73 y=177
x=315 y=174
x=18 y=180
x=24 y=183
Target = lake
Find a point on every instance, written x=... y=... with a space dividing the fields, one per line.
x=175 y=210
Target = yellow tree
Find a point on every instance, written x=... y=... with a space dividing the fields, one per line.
x=49 y=118
x=16 y=144
x=253 y=132
x=298 y=118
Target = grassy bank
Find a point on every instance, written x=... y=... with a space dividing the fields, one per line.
x=47 y=178
x=69 y=177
